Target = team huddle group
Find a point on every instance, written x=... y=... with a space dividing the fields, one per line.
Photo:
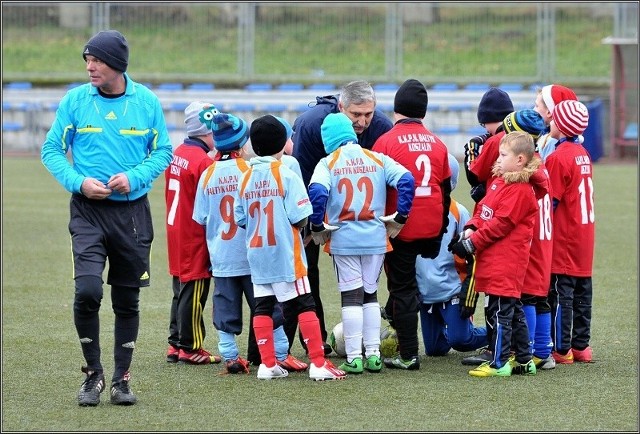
x=252 y=206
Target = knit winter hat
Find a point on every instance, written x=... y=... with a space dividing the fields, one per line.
x=110 y=47
x=198 y=116
x=336 y=130
x=554 y=93
x=494 y=106
x=411 y=99
x=229 y=132
x=571 y=117
x=287 y=126
x=527 y=120
x=455 y=170
x=268 y=136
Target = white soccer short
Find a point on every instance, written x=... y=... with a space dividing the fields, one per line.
x=355 y=271
x=283 y=290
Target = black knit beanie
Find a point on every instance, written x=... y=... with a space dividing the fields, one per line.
x=494 y=106
x=268 y=136
x=110 y=47
x=411 y=99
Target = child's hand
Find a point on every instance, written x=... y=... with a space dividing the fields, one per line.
x=394 y=223
x=463 y=248
x=322 y=233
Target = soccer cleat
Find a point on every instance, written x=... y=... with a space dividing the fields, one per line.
x=528 y=368
x=584 y=356
x=373 y=364
x=277 y=371
x=237 y=366
x=292 y=364
x=485 y=370
x=353 y=367
x=198 y=357
x=92 y=387
x=172 y=354
x=121 y=392
x=563 y=359
x=483 y=355
x=326 y=372
x=544 y=364
x=398 y=362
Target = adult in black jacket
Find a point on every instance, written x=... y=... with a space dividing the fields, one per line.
x=357 y=100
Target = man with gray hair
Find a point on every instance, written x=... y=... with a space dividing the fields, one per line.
x=357 y=100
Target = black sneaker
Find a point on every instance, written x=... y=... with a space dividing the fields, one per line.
x=121 y=392
x=327 y=349
x=92 y=387
x=483 y=355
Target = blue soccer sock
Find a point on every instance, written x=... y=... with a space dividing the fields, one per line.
x=530 y=316
x=543 y=343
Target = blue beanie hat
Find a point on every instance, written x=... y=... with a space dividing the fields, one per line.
x=229 y=132
x=494 y=106
x=527 y=120
x=287 y=126
x=336 y=130
x=455 y=170
x=110 y=47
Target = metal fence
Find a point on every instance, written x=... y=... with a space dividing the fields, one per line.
x=240 y=42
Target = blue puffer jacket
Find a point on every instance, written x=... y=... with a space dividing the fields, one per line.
x=307 y=142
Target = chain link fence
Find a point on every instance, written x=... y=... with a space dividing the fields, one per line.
x=241 y=42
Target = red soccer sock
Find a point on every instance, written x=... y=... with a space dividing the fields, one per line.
x=310 y=329
x=263 y=329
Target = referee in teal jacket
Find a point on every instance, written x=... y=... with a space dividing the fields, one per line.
x=115 y=132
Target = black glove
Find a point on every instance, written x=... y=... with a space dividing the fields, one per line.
x=463 y=249
x=468 y=295
x=454 y=239
x=473 y=147
x=478 y=192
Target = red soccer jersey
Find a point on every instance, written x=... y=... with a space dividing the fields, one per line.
x=482 y=165
x=186 y=239
x=504 y=223
x=427 y=158
x=570 y=172
x=538 y=276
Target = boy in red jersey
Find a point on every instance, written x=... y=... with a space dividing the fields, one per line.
x=427 y=158
x=189 y=263
x=500 y=235
x=535 y=291
x=571 y=294
x=480 y=154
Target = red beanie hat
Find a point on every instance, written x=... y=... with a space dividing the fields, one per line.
x=571 y=117
x=554 y=93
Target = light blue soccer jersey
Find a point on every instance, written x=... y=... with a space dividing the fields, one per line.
x=438 y=279
x=357 y=180
x=272 y=199
x=216 y=198
x=107 y=136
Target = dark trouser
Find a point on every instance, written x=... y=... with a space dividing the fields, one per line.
x=570 y=298
x=186 y=326
x=402 y=304
x=510 y=332
x=121 y=232
x=313 y=273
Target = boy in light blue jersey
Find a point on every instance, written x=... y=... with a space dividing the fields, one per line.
x=215 y=200
x=349 y=186
x=447 y=297
x=273 y=206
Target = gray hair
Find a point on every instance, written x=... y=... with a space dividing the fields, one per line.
x=357 y=92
